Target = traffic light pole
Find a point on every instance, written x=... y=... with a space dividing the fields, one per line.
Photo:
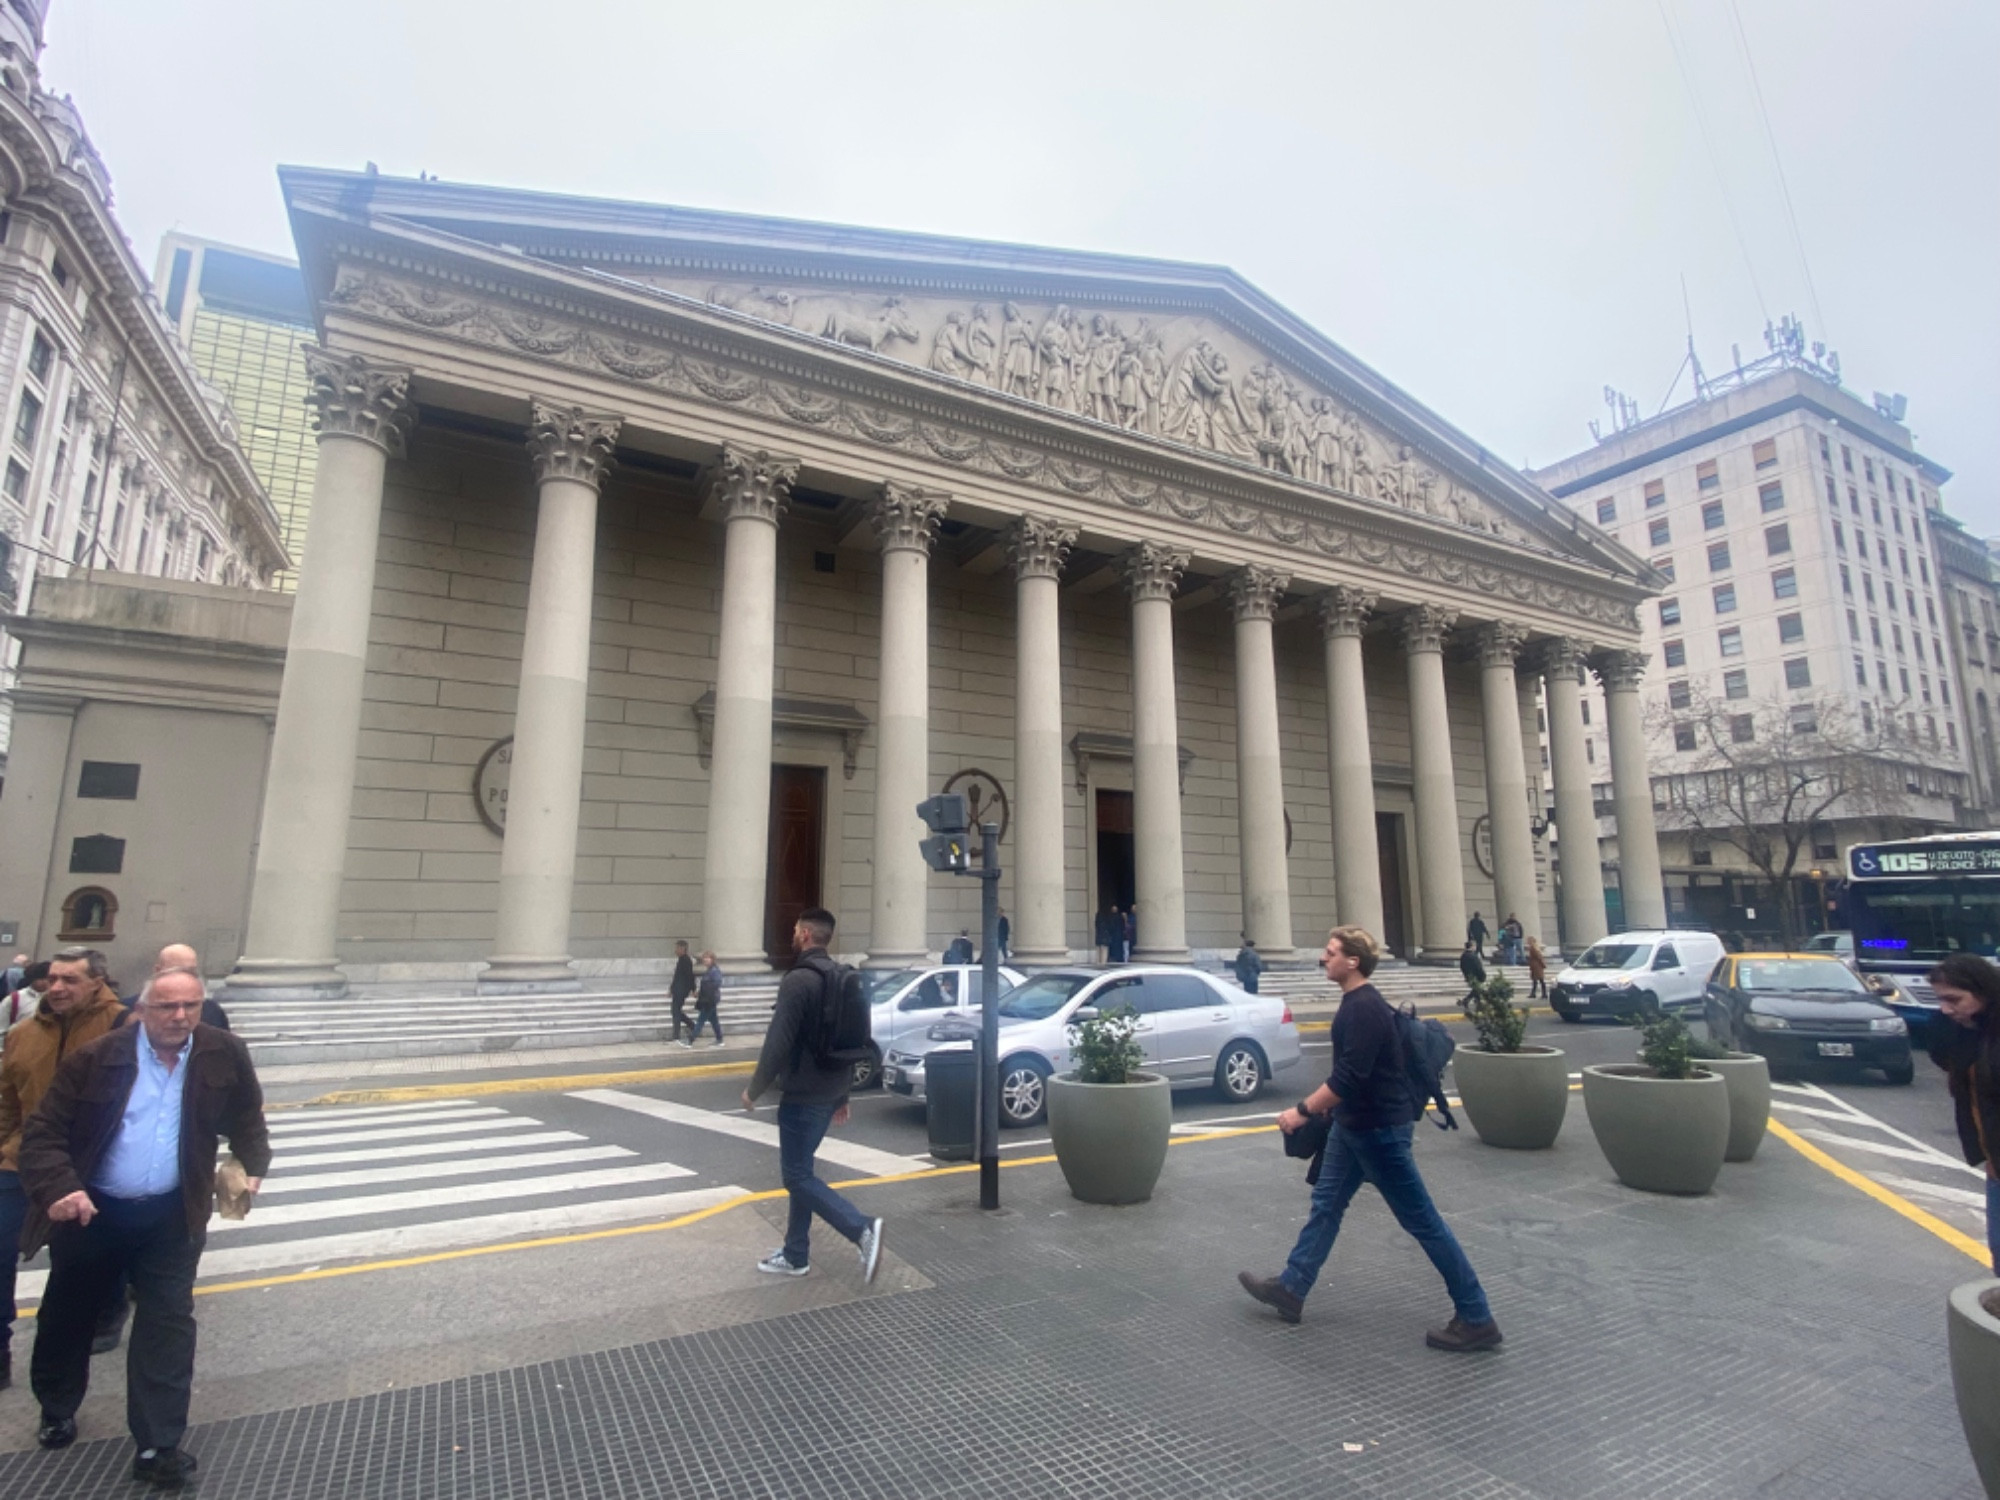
x=989 y=1017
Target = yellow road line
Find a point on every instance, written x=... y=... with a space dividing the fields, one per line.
x=559 y=1083
x=1954 y=1237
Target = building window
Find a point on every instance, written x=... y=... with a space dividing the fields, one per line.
x=1854 y=500
x=1882 y=675
x=1742 y=728
x=1825 y=450
x=1785 y=584
x=1847 y=458
x=1904 y=674
x=1868 y=587
x=1778 y=539
x=1674 y=653
x=1791 y=629
x=1860 y=672
x=1832 y=494
x=1736 y=683
x=1724 y=595
x=1903 y=557
x=1701 y=856
x=89 y=915
x=117 y=522
x=1718 y=557
x=1895 y=521
x=114 y=779
x=1711 y=516
x=1670 y=611
x=1798 y=674
x=1658 y=534
x=1656 y=493
x=1607 y=511
x=1771 y=497
x=1951 y=734
x=41 y=354
x=1730 y=640
x=96 y=854
x=1590 y=751
x=16 y=482
x=1679 y=694
x=1924 y=687
x=1666 y=567
x=1924 y=572
x=1765 y=454
x=1805 y=719
x=27 y=421
x=1875 y=506
x=1684 y=736
x=1706 y=477
x=1839 y=537
x=1896 y=635
x=1586 y=710
x=1853 y=626
x=1868 y=469
x=1846 y=581
x=1868 y=718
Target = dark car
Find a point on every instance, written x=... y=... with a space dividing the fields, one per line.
x=1798 y=1008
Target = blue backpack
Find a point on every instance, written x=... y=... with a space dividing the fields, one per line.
x=1427 y=1047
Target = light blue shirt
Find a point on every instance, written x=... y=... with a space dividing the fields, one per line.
x=144 y=1159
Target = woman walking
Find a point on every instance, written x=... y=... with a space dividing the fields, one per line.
x=1965 y=1042
x=1538 y=970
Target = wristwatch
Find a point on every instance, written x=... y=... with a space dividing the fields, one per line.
x=1304 y=1113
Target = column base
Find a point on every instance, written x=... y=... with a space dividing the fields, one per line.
x=896 y=959
x=286 y=979
x=1144 y=955
x=1039 y=958
x=528 y=976
x=747 y=966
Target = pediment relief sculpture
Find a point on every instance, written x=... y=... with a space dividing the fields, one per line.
x=1178 y=378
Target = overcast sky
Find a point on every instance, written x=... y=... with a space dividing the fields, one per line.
x=1495 y=204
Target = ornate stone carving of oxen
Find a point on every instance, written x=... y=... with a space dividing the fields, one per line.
x=868 y=331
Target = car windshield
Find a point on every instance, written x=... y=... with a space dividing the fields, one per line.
x=1615 y=956
x=880 y=984
x=1768 y=975
x=1042 y=996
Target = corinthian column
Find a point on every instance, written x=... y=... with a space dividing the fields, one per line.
x=363 y=413
x=1440 y=856
x=571 y=451
x=750 y=488
x=906 y=521
x=1560 y=662
x=1152 y=573
x=1039 y=545
x=1260 y=781
x=1632 y=789
x=1357 y=863
x=1498 y=644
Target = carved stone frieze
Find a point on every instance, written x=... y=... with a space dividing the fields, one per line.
x=354 y=397
x=751 y=482
x=1498 y=642
x=1254 y=592
x=1423 y=627
x=1620 y=671
x=1153 y=571
x=1343 y=610
x=657 y=365
x=567 y=442
x=1039 y=546
x=906 y=518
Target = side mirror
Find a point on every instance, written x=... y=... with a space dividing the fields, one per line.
x=1083 y=1013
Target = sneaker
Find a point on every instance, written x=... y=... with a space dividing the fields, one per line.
x=164 y=1468
x=56 y=1432
x=1273 y=1293
x=775 y=1264
x=1461 y=1337
x=688 y=1045
x=870 y=1246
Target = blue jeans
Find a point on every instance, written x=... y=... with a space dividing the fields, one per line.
x=706 y=1018
x=1993 y=1221
x=13 y=1211
x=801 y=1127
x=1383 y=1158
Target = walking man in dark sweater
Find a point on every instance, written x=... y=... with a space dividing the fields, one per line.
x=1373 y=1120
x=811 y=1099
x=678 y=991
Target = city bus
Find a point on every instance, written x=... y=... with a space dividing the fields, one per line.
x=1911 y=903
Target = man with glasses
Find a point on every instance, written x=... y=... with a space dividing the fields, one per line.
x=76 y=1008
x=118 y=1163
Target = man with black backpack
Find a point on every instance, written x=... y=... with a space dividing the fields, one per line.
x=1376 y=1062
x=809 y=1052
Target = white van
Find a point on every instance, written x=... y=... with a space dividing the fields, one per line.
x=1631 y=971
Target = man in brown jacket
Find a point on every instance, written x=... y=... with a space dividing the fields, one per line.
x=118 y=1163
x=78 y=1007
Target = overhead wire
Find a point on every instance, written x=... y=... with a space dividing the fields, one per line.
x=1778 y=162
x=1714 y=156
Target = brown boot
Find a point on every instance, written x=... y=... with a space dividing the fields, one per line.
x=1460 y=1337
x=1273 y=1293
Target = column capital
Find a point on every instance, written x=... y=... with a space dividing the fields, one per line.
x=1343 y=610
x=1620 y=671
x=1422 y=628
x=752 y=482
x=906 y=518
x=1558 y=654
x=567 y=442
x=1039 y=546
x=355 y=397
x=1254 y=591
x=1498 y=642
x=1153 y=571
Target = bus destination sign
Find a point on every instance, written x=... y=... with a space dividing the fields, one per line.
x=1905 y=861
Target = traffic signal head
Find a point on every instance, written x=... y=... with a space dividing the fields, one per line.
x=946 y=851
x=945 y=813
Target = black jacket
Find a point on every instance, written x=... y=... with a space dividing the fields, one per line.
x=1470 y=966
x=683 y=981
x=1971 y=1061
x=1368 y=1075
x=787 y=1059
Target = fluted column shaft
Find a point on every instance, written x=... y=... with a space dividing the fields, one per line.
x=906 y=521
x=1152 y=573
x=571 y=450
x=1561 y=662
x=1357 y=860
x=1039 y=546
x=1632 y=789
x=1254 y=594
x=363 y=413
x=1441 y=873
x=1507 y=779
x=750 y=489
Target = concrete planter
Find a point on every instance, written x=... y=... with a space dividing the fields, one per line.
x=1661 y=1135
x=1975 y=1373
x=1111 y=1138
x=1516 y=1100
x=1748 y=1078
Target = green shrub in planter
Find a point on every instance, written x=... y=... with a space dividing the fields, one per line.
x=1109 y=1122
x=1102 y=1044
x=1516 y=1097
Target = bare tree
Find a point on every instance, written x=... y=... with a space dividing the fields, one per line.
x=1761 y=776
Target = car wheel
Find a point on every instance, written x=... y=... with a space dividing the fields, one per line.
x=1902 y=1072
x=868 y=1072
x=1240 y=1073
x=1024 y=1092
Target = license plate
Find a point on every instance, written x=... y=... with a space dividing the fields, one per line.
x=1836 y=1049
x=892 y=1076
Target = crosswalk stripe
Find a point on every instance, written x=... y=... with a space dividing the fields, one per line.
x=356 y=1111
x=846 y=1153
x=438 y=1197
x=282 y=1128
x=424 y=1170
x=1845 y=1117
x=1964 y=1197
x=1883 y=1148
x=290 y=1160
x=404 y=1132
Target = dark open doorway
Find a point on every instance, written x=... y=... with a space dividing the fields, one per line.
x=796 y=854
x=1116 y=880
x=1389 y=854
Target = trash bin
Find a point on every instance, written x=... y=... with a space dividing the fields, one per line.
x=951 y=1083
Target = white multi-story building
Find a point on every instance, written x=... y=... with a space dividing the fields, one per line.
x=114 y=455
x=1797 y=527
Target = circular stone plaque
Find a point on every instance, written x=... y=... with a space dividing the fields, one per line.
x=489 y=784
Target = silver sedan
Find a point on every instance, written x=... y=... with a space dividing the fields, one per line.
x=1196 y=1029
x=906 y=1002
